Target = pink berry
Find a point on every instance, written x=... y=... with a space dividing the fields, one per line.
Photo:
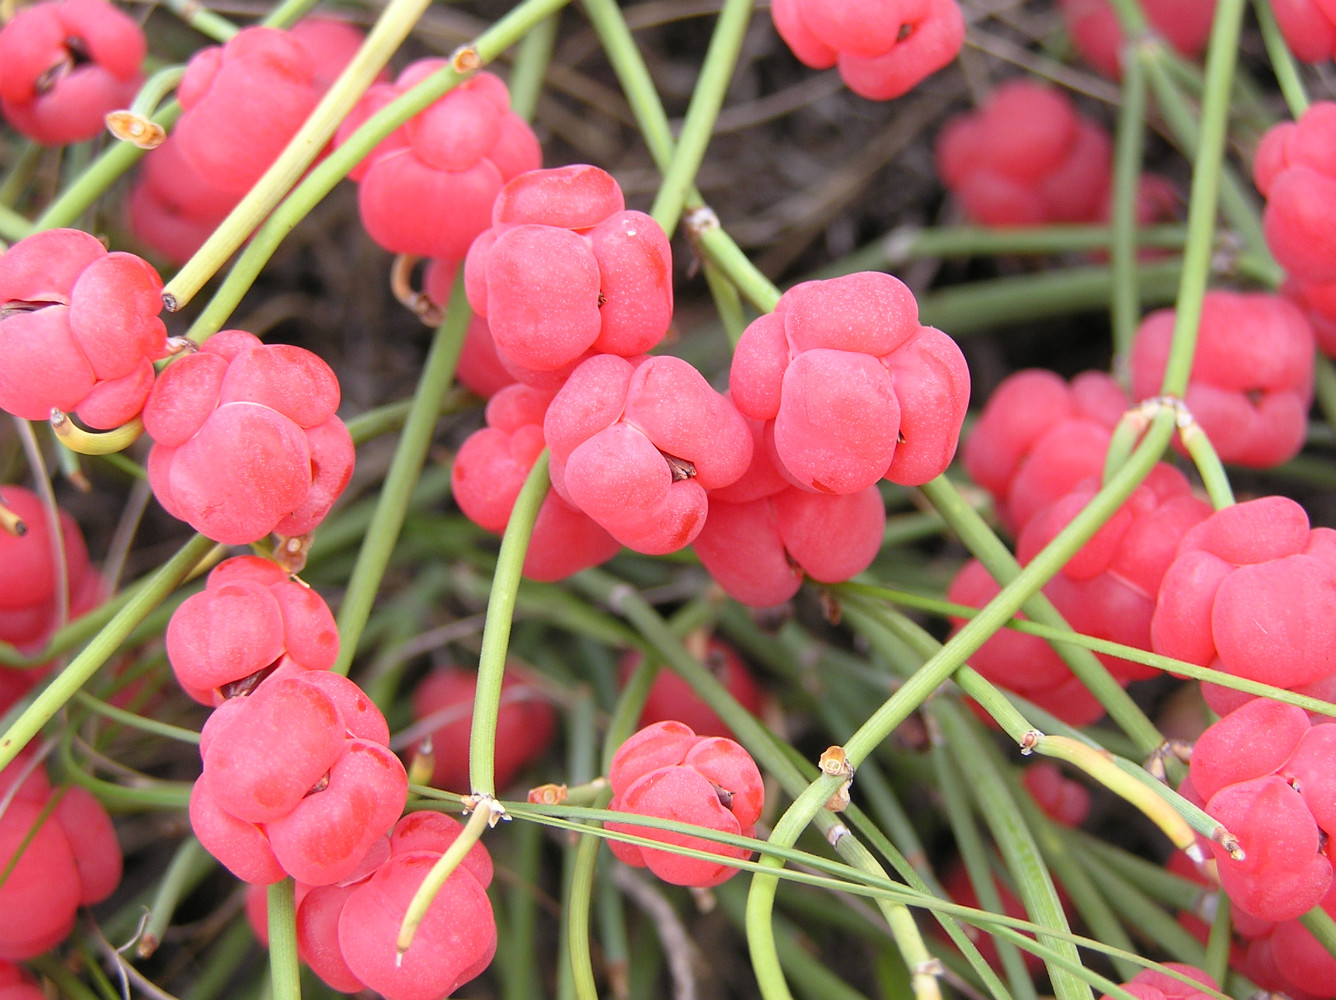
x=79 y=329
x=1093 y=27
x=672 y=698
x=64 y=65
x=1293 y=171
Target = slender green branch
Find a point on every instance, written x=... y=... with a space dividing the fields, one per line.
x=1125 y=304
x=717 y=70
x=284 y=969
x=530 y=67
x=185 y=871
x=1282 y=60
x=496 y=629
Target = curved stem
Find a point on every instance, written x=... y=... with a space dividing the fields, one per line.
x=496 y=629
x=1282 y=60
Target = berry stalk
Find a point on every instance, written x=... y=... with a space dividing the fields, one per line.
x=284 y=968
x=1129 y=144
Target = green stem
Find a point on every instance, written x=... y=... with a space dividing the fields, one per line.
x=1207 y=169
x=134 y=721
x=496 y=629
x=984 y=305
x=901 y=246
x=965 y=521
x=717 y=70
x=530 y=67
x=1282 y=60
x=1324 y=381
x=580 y=888
x=185 y=871
x=1207 y=461
x=203 y=20
x=395 y=23
x=13 y=225
x=103 y=646
x=405 y=468
x=321 y=180
x=1219 y=941
x=1320 y=924
x=284 y=969
x=155 y=90
x=1125 y=303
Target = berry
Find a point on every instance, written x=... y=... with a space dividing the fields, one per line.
x=1295 y=173
x=565 y=269
x=1252 y=375
x=1151 y=984
x=667 y=771
x=851 y=387
x=636 y=446
x=1026 y=158
x=479 y=367
x=249 y=616
x=883 y=50
x=243 y=101
x=79 y=329
x=428 y=188
x=173 y=207
x=1309 y=29
x=246 y=440
x=1252 y=592
x=1064 y=801
x=64 y=65
x=1037 y=437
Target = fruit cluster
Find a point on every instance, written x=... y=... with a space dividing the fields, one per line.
x=64 y=65
x=883 y=50
x=668 y=772
x=428 y=189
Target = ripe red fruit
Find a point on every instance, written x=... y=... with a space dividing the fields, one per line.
x=1151 y=984
x=246 y=440
x=64 y=65
x=173 y=207
x=1094 y=30
x=443 y=703
x=636 y=445
x=1294 y=172
x=1062 y=800
x=489 y=471
x=243 y=101
x=667 y=771
x=1037 y=437
x=1252 y=375
x=457 y=937
x=1026 y=158
x=250 y=615
x=851 y=387
x=565 y=269
x=883 y=49
x=79 y=329
x=428 y=188
x=1252 y=592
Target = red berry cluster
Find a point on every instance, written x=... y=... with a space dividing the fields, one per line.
x=79 y=329
x=1252 y=592
x=668 y=772
x=883 y=50
x=1037 y=437
x=58 y=852
x=246 y=441
x=1269 y=775
x=1252 y=375
x=1295 y=173
x=443 y=707
x=346 y=932
x=15 y=986
x=428 y=188
x=29 y=584
x=64 y=65
x=1027 y=157
x=243 y=102
x=565 y=272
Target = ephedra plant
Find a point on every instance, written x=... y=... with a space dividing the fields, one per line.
x=947 y=388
